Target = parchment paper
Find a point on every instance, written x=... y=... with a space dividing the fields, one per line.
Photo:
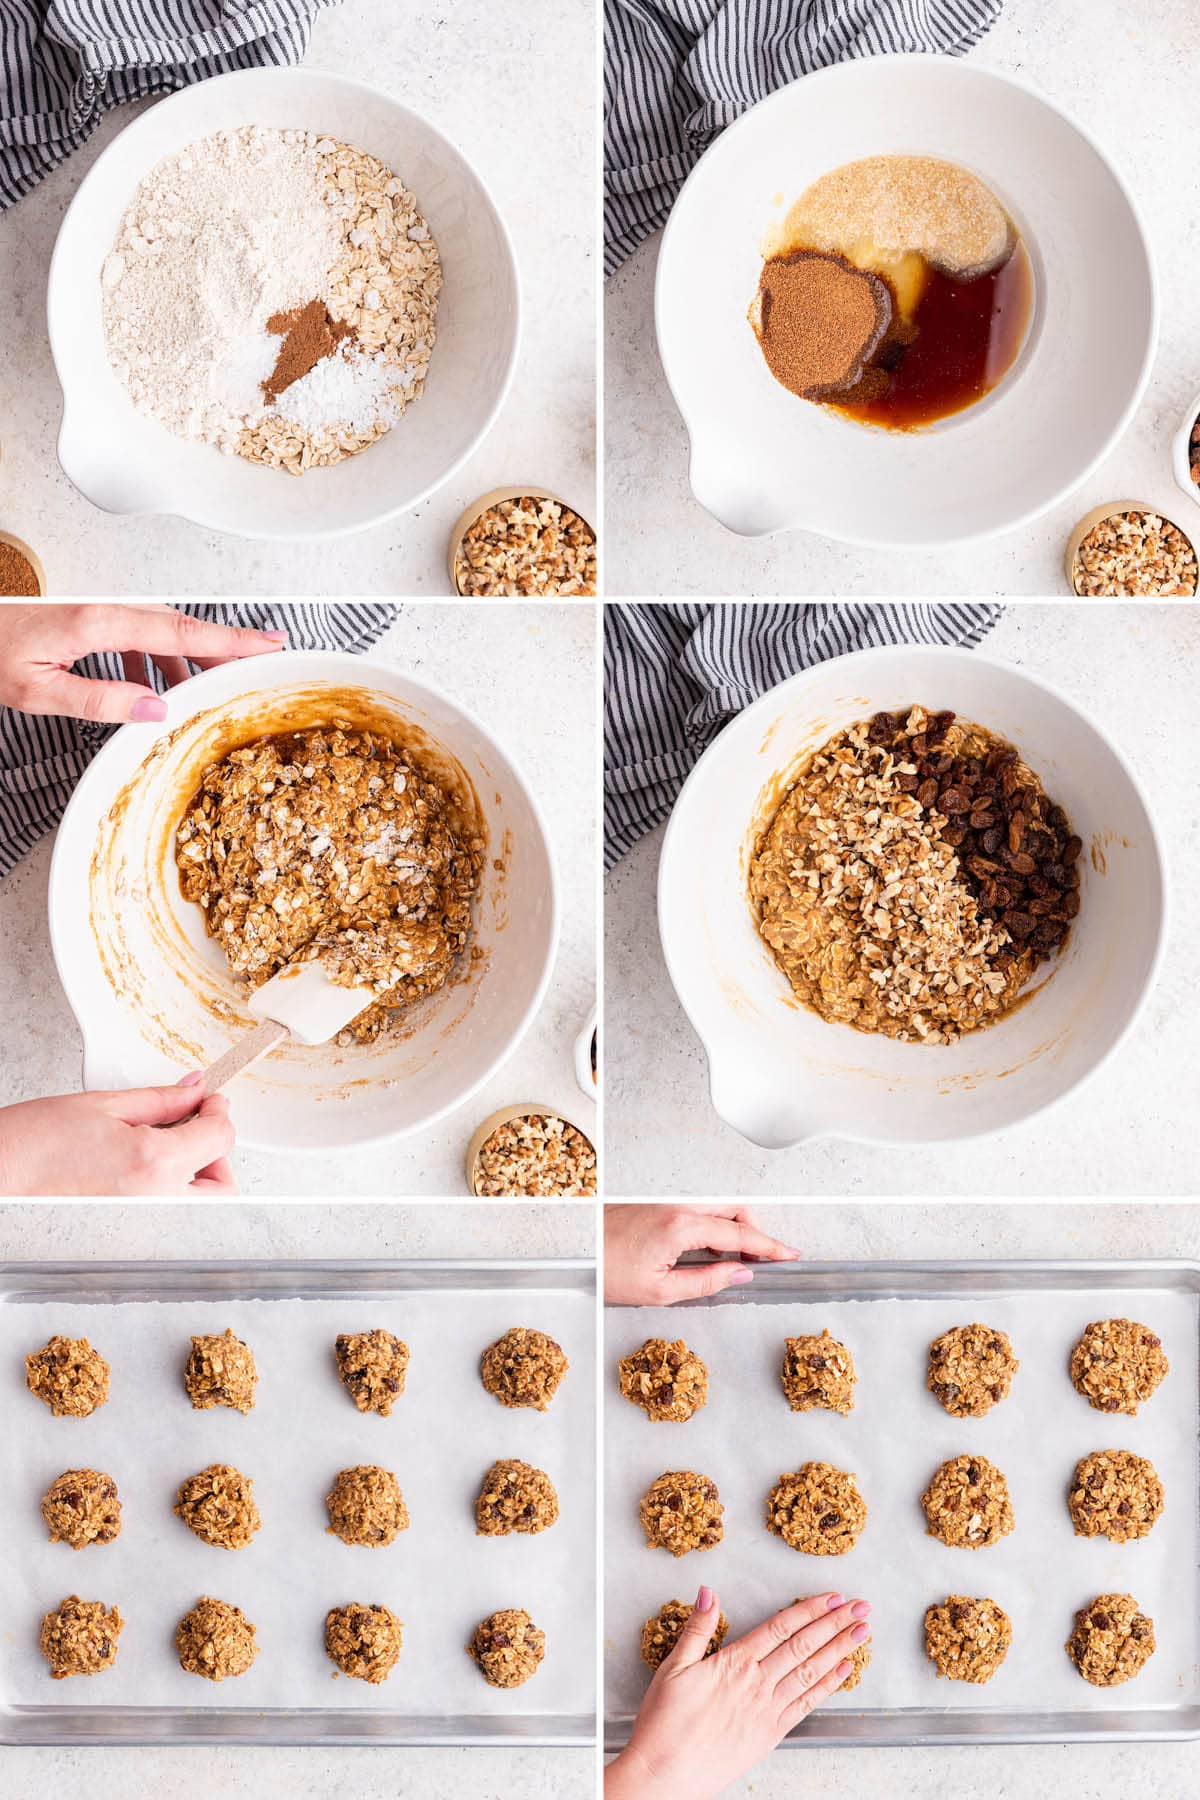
x=893 y=1441
x=443 y=1434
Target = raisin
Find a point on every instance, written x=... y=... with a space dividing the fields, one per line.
x=830 y=1520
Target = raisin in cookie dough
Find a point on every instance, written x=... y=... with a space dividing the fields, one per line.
x=1114 y=1494
x=661 y=1633
x=967 y=1504
x=515 y=1496
x=372 y=1365
x=507 y=1647
x=215 y=1640
x=81 y=1507
x=523 y=1368
x=817 y=1509
x=818 y=1371
x=970 y=1370
x=1113 y=1640
x=364 y=1641
x=68 y=1376
x=80 y=1637
x=967 y=1637
x=1117 y=1364
x=682 y=1511
x=668 y=1381
x=366 y=1506
x=220 y=1371
x=218 y=1505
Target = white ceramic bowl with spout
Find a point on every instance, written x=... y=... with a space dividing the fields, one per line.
x=763 y=459
x=152 y=993
x=779 y=1073
x=126 y=462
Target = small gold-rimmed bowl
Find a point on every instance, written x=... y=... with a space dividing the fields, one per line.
x=31 y=557
x=505 y=1115
x=1113 y=509
x=497 y=497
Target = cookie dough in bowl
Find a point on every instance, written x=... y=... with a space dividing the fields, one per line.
x=149 y=975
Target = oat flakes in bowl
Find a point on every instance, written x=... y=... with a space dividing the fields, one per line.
x=529 y=1152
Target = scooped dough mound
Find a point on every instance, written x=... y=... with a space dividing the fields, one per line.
x=1112 y=1640
x=508 y=1647
x=220 y=1372
x=1117 y=1364
x=523 y=1368
x=817 y=1509
x=215 y=1640
x=682 y=1511
x=967 y=1637
x=818 y=1371
x=372 y=1365
x=967 y=1504
x=81 y=1507
x=661 y=1633
x=858 y=1659
x=366 y=1506
x=218 y=1505
x=514 y=1497
x=1114 y=1494
x=364 y=1641
x=80 y=1637
x=668 y=1381
x=970 y=1370
x=69 y=1377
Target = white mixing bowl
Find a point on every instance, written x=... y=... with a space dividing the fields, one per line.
x=126 y=462
x=762 y=459
x=779 y=1073
x=142 y=976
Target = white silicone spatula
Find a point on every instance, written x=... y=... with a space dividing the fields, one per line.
x=302 y=1003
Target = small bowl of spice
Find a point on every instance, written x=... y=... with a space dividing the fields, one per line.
x=1127 y=550
x=21 y=572
x=522 y=541
x=530 y=1152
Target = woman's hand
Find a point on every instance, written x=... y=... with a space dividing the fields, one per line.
x=642 y=1244
x=707 y=1720
x=39 y=644
x=101 y=1144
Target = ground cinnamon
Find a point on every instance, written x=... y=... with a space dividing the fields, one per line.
x=17 y=573
x=310 y=334
x=818 y=320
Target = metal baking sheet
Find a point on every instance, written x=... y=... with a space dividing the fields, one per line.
x=442 y=1435
x=893 y=1439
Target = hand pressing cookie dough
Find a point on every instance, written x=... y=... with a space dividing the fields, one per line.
x=970 y=1370
x=515 y=1497
x=373 y=1366
x=81 y=1507
x=1114 y=1494
x=967 y=1637
x=364 y=1641
x=366 y=1506
x=668 y=1381
x=215 y=1640
x=220 y=1371
x=68 y=1376
x=80 y=1637
x=523 y=1368
x=1117 y=1364
x=817 y=1509
x=818 y=1371
x=860 y=1658
x=682 y=1511
x=966 y=1503
x=661 y=1633
x=507 y=1647
x=1113 y=1640
x=218 y=1505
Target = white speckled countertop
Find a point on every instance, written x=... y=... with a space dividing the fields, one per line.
x=1126 y=1131
x=528 y=672
x=474 y=69
x=1129 y=77
x=31 y=1233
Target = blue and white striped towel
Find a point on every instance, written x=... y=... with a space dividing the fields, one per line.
x=674 y=675
x=676 y=72
x=65 y=62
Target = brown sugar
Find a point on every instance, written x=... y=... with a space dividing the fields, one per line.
x=310 y=334
x=818 y=320
x=17 y=574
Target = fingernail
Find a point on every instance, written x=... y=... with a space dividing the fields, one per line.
x=148 y=710
x=704 y=1600
x=844 y=1668
x=740 y=1276
x=860 y=1634
x=190 y=1080
x=860 y=1609
x=833 y=1601
x=277 y=637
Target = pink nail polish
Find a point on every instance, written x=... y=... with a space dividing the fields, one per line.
x=279 y=637
x=148 y=710
x=190 y=1080
x=833 y=1601
x=860 y=1609
x=860 y=1634
x=844 y=1668
x=704 y=1600
x=740 y=1276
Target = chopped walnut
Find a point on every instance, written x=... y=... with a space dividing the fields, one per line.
x=527 y=546
x=537 y=1155
x=1134 y=554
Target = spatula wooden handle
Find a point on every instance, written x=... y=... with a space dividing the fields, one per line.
x=239 y=1056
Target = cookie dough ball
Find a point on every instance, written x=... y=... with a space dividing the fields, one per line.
x=364 y=1641
x=818 y=1371
x=69 y=1377
x=81 y=1507
x=80 y=1637
x=372 y=1365
x=218 y=1505
x=1117 y=1364
x=215 y=1640
x=682 y=1511
x=661 y=1633
x=970 y=1370
x=523 y=1368
x=967 y=1504
x=508 y=1647
x=967 y=1637
x=220 y=1372
x=514 y=1497
x=817 y=1509
x=668 y=1381
x=1112 y=1641
x=1114 y=1494
x=366 y=1506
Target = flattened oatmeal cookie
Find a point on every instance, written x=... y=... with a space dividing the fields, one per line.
x=68 y=1376
x=81 y=1507
x=364 y=1641
x=220 y=1371
x=215 y=1640
x=507 y=1647
x=1117 y=1364
x=661 y=1633
x=515 y=1497
x=1114 y=1494
x=818 y=1371
x=366 y=1506
x=1113 y=1640
x=80 y=1637
x=859 y=1659
x=966 y=1503
x=668 y=1381
x=817 y=1509
x=373 y=1366
x=218 y=1505
x=970 y=1370
x=523 y=1368
x=967 y=1637
x=682 y=1511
